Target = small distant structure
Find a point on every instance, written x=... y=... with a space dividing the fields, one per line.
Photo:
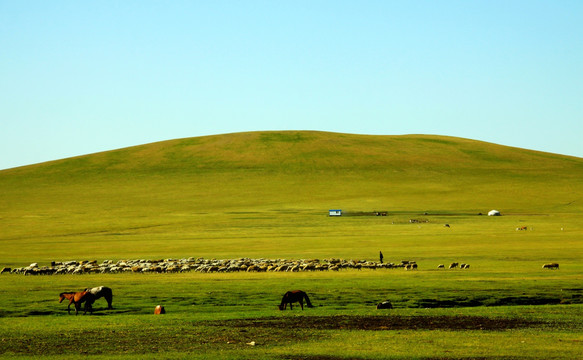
x=335 y=212
x=159 y=310
x=494 y=213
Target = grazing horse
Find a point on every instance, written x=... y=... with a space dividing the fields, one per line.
x=77 y=298
x=295 y=296
x=102 y=291
x=551 y=266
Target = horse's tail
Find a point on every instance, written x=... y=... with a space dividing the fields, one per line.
x=308 y=303
x=108 y=295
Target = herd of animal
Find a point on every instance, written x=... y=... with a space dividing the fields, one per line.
x=205 y=266
x=199 y=265
x=454 y=265
x=214 y=265
x=89 y=295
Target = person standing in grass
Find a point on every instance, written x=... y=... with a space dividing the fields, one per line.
x=381 y=256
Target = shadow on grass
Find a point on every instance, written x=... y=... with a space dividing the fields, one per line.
x=473 y=302
x=361 y=322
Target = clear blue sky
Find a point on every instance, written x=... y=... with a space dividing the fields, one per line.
x=78 y=77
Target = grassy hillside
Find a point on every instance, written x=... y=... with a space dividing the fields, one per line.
x=267 y=194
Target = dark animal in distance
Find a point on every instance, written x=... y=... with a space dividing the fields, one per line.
x=295 y=296
x=411 y=266
x=77 y=298
x=554 y=266
x=385 y=305
x=102 y=291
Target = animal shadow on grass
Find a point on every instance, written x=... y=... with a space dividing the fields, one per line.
x=41 y=313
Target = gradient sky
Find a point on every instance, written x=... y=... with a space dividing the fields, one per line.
x=78 y=77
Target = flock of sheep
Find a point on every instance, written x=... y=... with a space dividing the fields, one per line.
x=199 y=265
x=454 y=265
x=204 y=265
x=217 y=266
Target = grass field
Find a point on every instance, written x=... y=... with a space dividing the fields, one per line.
x=266 y=195
x=217 y=315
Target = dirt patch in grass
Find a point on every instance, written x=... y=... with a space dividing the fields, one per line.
x=490 y=301
x=316 y=357
x=234 y=334
x=357 y=322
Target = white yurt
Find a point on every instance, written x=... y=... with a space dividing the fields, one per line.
x=494 y=213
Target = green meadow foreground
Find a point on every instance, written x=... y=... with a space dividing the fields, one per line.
x=267 y=195
x=219 y=315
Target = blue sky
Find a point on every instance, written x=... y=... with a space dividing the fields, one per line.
x=80 y=77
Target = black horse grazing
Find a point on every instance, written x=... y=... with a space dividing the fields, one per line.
x=295 y=296
x=102 y=291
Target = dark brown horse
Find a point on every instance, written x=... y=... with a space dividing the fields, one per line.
x=102 y=292
x=78 y=298
x=295 y=296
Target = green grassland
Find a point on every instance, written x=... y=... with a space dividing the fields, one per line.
x=266 y=195
x=217 y=315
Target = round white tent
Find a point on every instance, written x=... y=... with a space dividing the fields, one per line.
x=494 y=213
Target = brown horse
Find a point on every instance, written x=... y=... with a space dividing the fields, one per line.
x=77 y=298
x=295 y=296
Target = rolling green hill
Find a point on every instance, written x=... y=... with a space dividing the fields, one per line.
x=240 y=191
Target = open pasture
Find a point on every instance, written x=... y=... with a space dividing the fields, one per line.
x=217 y=315
x=267 y=195
x=504 y=306
x=309 y=234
